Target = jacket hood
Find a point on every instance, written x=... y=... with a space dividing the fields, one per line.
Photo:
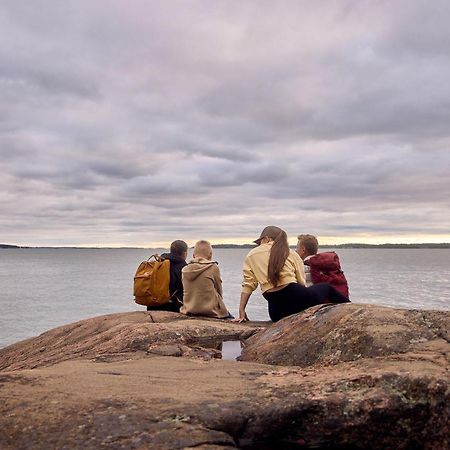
x=196 y=267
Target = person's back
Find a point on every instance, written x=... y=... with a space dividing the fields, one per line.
x=256 y=269
x=177 y=258
x=322 y=267
x=203 y=285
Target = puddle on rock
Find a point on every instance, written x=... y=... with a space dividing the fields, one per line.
x=231 y=350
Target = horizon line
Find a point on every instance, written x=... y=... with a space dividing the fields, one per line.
x=223 y=245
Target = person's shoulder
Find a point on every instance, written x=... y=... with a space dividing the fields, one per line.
x=215 y=266
x=295 y=256
x=175 y=261
x=256 y=250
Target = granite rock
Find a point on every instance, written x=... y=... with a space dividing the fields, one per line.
x=331 y=334
x=141 y=380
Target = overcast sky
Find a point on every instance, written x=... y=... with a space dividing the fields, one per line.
x=136 y=123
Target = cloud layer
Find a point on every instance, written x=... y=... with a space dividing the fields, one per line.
x=138 y=123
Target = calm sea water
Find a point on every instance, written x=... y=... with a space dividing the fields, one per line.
x=44 y=288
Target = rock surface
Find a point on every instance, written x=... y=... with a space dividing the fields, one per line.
x=330 y=334
x=106 y=383
x=135 y=332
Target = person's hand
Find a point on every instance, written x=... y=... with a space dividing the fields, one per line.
x=242 y=318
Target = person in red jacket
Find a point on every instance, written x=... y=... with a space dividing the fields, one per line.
x=321 y=267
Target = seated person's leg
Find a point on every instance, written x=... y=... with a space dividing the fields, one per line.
x=290 y=300
x=324 y=293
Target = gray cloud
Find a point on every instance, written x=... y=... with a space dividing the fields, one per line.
x=139 y=123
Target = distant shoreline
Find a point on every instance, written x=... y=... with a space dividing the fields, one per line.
x=444 y=245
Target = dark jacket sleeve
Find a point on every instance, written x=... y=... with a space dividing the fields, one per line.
x=176 y=285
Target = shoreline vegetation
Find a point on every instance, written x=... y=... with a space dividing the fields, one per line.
x=238 y=246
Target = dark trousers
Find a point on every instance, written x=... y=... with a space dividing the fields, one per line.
x=173 y=305
x=295 y=298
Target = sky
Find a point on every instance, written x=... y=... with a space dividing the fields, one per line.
x=138 y=123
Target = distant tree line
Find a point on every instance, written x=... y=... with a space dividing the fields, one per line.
x=352 y=245
x=426 y=245
x=356 y=245
x=233 y=245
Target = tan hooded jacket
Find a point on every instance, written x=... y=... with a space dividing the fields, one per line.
x=202 y=287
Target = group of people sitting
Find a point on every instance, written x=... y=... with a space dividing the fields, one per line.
x=290 y=280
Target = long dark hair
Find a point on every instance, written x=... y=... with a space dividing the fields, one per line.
x=278 y=253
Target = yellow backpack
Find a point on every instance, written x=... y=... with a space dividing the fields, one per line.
x=151 y=282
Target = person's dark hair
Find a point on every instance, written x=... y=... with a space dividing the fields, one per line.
x=178 y=248
x=310 y=243
x=278 y=253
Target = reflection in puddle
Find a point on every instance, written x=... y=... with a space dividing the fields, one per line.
x=231 y=350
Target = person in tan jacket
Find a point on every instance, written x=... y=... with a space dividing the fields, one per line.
x=202 y=285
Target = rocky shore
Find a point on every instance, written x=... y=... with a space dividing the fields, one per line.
x=333 y=377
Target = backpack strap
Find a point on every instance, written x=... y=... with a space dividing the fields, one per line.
x=157 y=257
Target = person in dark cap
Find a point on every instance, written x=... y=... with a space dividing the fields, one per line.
x=177 y=257
x=280 y=273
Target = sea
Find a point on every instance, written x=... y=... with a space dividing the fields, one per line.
x=42 y=288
